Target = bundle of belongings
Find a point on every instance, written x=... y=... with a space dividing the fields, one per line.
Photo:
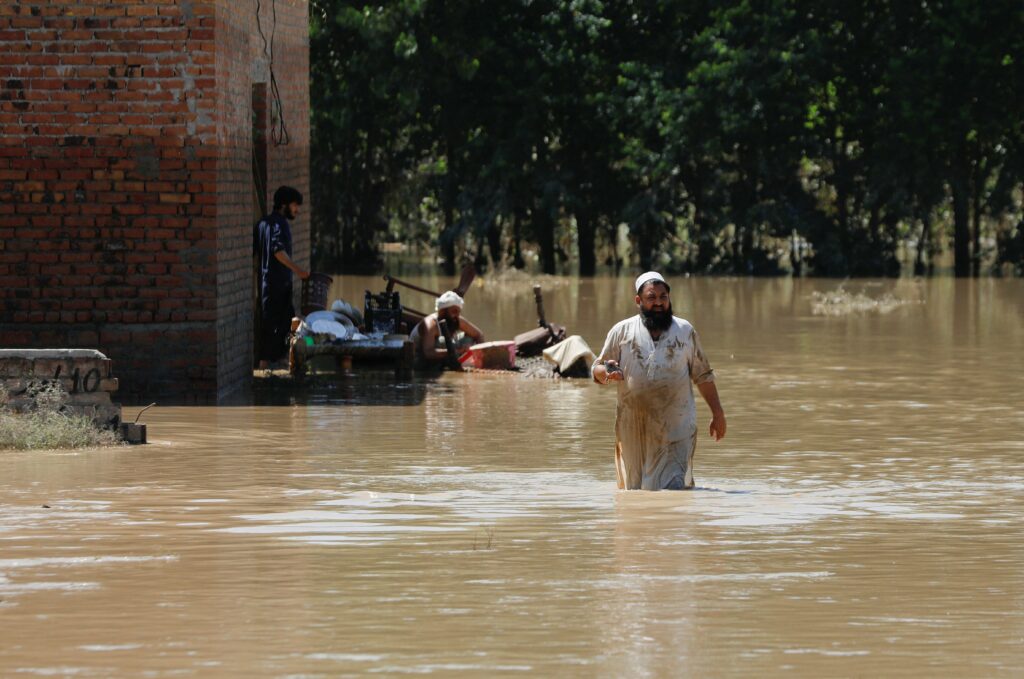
x=571 y=357
x=340 y=324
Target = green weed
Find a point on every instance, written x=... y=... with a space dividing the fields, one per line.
x=49 y=425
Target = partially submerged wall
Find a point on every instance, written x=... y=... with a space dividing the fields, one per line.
x=86 y=376
x=126 y=182
x=262 y=61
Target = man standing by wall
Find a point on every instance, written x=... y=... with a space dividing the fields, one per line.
x=654 y=356
x=272 y=245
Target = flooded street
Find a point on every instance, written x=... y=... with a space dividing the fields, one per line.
x=864 y=515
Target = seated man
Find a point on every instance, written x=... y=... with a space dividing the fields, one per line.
x=427 y=338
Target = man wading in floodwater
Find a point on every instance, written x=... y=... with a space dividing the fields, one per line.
x=654 y=356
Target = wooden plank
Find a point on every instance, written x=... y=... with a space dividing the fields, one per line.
x=399 y=351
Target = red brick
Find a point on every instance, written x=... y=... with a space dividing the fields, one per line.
x=133 y=215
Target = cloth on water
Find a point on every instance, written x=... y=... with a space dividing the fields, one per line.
x=568 y=351
x=448 y=299
x=655 y=418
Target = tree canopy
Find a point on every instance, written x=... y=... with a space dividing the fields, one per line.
x=741 y=137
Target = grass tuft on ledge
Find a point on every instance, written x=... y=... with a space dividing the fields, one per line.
x=49 y=425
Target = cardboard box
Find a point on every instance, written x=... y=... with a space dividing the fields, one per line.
x=491 y=356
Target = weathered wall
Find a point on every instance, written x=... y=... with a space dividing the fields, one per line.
x=121 y=165
x=85 y=376
x=251 y=47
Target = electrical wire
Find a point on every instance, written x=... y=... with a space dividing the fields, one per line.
x=278 y=129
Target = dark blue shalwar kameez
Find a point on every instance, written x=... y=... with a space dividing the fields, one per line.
x=273 y=234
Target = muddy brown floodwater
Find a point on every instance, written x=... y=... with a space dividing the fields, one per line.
x=863 y=517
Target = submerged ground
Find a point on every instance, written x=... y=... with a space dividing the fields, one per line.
x=863 y=517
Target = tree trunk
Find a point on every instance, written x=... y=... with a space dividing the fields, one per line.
x=448 y=196
x=922 y=247
x=585 y=230
x=961 y=229
x=362 y=255
x=873 y=264
x=737 y=250
x=447 y=239
x=976 y=185
x=701 y=232
x=795 y=259
x=517 y=241
x=448 y=251
x=494 y=242
x=480 y=260
x=645 y=243
x=347 y=237
x=842 y=214
x=748 y=251
x=545 y=228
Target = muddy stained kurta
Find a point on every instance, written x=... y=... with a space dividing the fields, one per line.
x=656 y=419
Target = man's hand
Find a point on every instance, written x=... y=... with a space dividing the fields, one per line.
x=283 y=257
x=717 y=428
x=606 y=372
x=710 y=393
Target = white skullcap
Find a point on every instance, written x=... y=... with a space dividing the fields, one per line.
x=450 y=298
x=647 y=278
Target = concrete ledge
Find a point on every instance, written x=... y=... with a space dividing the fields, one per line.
x=85 y=374
x=50 y=353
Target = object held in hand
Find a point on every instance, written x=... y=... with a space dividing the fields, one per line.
x=610 y=369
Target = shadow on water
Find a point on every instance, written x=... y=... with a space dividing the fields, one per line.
x=370 y=387
x=721 y=491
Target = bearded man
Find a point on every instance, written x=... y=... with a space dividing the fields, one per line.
x=655 y=357
x=426 y=336
x=272 y=246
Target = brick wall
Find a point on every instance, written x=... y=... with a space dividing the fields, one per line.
x=125 y=143
x=243 y=75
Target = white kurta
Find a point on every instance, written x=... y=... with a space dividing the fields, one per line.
x=656 y=420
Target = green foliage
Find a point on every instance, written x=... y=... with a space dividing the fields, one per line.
x=48 y=425
x=740 y=138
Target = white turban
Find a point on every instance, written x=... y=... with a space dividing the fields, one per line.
x=647 y=278
x=450 y=298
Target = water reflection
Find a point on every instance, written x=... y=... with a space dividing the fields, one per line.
x=371 y=386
